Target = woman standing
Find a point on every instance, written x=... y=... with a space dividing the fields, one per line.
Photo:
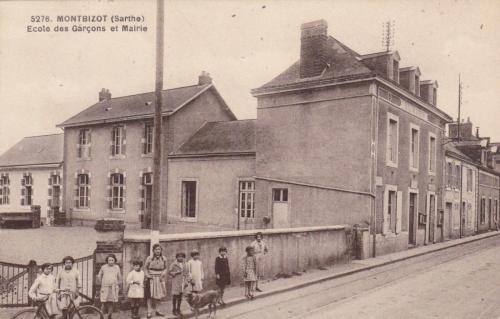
x=155 y=269
x=260 y=250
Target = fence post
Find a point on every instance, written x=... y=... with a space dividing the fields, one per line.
x=32 y=274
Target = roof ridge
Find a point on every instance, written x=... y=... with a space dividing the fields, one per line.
x=43 y=135
x=230 y=121
x=165 y=90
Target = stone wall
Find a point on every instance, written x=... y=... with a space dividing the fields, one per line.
x=290 y=250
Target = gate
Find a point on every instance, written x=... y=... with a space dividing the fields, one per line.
x=16 y=280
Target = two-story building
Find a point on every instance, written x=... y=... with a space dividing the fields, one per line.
x=346 y=138
x=31 y=174
x=481 y=152
x=459 y=215
x=108 y=149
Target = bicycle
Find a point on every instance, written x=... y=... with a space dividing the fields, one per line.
x=73 y=312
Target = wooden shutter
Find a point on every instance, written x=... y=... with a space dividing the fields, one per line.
x=399 y=212
x=386 y=221
x=111 y=148
x=124 y=141
x=110 y=192
x=77 y=195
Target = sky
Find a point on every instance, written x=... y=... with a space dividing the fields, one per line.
x=47 y=77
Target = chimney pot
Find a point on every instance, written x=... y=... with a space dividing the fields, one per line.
x=204 y=78
x=104 y=95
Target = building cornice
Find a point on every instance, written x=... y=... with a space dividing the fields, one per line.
x=322 y=83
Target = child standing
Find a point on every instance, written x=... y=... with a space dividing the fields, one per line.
x=195 y=270
x=249 y=271
x=222 y=273
x=177 y=271
x=135 y=282
x=110 y=278
x=43 y=290
x=68 y=279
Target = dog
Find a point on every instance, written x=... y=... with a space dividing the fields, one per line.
x=199 y=300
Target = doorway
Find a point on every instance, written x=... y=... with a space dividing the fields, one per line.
x=449 y=212
x=411 y=218
x=281 y=214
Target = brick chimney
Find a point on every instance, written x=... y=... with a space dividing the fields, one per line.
x=428 y=91
x=204 y=78
x=465 y=130
x=313 y=48
x=104 y=95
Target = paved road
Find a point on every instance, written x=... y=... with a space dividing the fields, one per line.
x=460 y=282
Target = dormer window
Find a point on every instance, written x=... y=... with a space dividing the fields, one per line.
x=395 y=70
x=417 y=85
x=434 y=96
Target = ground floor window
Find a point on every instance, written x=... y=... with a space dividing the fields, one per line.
x=247 y=199
x=83 y=191
x=27 y=190
x=482 y=211
x=117 y=191
x=392 y=210
x=4 y=189
x=188 y=209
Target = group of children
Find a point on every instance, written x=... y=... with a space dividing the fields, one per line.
x=149 y=281
x=47 y=287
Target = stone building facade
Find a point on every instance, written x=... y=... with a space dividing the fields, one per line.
x=31 y=174
x=348 y=138
x=108 y=148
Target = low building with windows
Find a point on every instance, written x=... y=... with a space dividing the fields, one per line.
x=108 y=148
x=349 y=138
x=211 y=176
x=31 y=174
x=459 y=214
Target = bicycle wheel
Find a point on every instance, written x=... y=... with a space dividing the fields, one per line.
x=87 y=312
x=27 y=314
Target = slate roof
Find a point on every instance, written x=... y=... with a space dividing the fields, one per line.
x=138 y=105
x=451 y=148
x=34 y=150
x=220 y=138
x=345 y=62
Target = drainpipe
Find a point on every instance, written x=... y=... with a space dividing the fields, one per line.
x=461 y=195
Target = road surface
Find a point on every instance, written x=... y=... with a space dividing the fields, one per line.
x=460 y=282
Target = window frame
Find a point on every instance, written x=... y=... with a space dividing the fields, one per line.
x=117 y=140
x=414 y=156
x=243 y=211
x=119 y=187
x=184 y=216
x=84 y=143
x=432 y=160
x=4 y=190
x=85 y=195
x=148 y=135
x=389 y=162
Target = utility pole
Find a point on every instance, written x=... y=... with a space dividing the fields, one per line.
x=459 y=106
x=157 y=158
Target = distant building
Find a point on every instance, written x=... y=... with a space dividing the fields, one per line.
x=480 y=151
x=461 y=175
x=346 y=138
x=31 y=174
x=109 y=146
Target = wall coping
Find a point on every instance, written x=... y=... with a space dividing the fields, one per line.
x=227 y=233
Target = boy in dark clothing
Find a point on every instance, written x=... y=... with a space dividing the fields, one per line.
x=222 y=272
